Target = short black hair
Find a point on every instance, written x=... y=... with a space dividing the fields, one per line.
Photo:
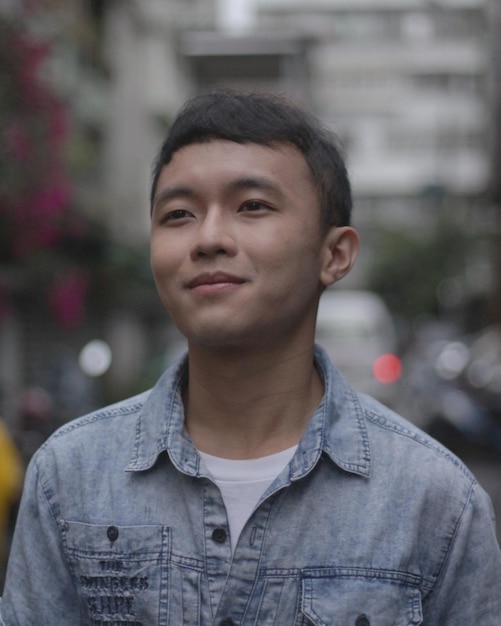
x=265 y=119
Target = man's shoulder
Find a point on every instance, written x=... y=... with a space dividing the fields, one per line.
x=395 y=438
x=116 y=434
x=98 y=417
x=115 y=420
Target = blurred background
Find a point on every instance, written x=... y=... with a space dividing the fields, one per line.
x=87 y=91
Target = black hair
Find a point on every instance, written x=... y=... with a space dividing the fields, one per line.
x=265 y=119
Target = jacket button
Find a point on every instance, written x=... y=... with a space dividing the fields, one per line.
x=112 y=533
x=362 y=620
x=219 y=536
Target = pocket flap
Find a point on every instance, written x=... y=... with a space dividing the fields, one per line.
x=360 y=601
x=97 y=540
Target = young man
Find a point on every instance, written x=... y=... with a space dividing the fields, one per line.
x=252 y=485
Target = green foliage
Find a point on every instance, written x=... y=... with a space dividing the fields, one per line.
x=408 y=269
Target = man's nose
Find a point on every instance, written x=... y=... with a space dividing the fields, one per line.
x=215 y=234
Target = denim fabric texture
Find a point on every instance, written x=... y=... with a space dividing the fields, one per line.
x=372 y=523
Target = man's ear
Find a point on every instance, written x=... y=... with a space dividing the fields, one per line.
x=340 y=250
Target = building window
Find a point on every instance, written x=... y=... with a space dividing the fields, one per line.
x=457 y=84
x=448 y=139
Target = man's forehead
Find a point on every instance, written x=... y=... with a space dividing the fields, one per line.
x=232 y=155
x=211 y=140
x=241 y=151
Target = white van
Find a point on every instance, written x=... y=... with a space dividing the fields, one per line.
x=357 y=330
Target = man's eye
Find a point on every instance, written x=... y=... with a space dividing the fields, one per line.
x=177 y=214
x=253 y=206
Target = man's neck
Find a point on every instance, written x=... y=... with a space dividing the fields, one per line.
x=246 y=406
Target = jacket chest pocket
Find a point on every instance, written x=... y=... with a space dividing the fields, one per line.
x=359 y=601
x=121 y=572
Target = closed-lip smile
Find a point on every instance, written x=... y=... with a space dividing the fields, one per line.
x=214 y=278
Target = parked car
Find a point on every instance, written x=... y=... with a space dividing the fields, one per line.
x=358 y=332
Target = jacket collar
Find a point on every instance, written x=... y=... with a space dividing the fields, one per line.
x=337 y=428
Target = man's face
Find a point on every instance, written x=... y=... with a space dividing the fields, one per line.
x=236 y=243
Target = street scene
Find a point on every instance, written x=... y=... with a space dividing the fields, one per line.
x=88 y=90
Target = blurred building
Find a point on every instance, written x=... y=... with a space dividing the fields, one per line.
x=406 y=84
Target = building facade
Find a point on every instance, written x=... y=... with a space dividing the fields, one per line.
x=406 y=85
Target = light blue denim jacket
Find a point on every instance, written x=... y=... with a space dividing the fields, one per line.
x=371 y=524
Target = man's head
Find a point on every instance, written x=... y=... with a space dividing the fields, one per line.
x=266 y=120
x=241 y=187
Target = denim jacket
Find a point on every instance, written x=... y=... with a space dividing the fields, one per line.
x=372 y=523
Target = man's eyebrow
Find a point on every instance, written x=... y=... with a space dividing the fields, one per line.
x=254 y=182
x=171 y=193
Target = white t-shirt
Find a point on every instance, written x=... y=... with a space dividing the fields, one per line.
x=242 y=483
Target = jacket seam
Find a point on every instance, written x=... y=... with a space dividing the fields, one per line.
x=91 y=418
x=444 y=564
x=44 y=485
x=428 y=442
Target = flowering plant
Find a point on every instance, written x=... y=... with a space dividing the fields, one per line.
x=35 y=194
x=35 y=190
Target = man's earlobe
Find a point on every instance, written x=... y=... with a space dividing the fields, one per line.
x=341 y=245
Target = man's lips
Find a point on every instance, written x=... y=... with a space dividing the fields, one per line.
x=213 y=279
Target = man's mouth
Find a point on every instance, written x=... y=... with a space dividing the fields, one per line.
x=214 y=280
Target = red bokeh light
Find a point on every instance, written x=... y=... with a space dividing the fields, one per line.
x=387 y=368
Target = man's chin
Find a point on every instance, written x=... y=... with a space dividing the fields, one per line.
x=223 y=340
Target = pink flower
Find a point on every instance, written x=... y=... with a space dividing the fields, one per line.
x=67 y=298
x=18 y=142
